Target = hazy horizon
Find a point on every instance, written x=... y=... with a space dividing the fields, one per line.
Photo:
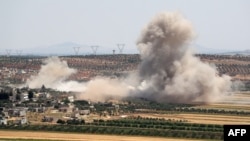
x=37 y=26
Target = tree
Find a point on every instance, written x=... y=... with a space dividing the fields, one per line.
x=43 y=88
x=66 y=101
x=18 y=91
x=56 y=106
x=82 y=121
x=60 y=121
x=4 y=96
x=30 y=95
x=18 y=97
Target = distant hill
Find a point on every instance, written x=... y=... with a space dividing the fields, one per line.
x=245 y=52
x=205 y=50
x=66 y=48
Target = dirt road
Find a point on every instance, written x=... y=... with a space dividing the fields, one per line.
x=79 y=137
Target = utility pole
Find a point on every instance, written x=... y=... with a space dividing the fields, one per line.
x=8 y=51
x=94 y=49
x=19 y=52
x=76 y=49
x=121 y=47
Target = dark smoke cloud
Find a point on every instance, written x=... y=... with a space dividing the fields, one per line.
x=169 y=71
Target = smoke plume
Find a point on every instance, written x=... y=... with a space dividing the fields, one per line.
x=104 y=89
x=169 y=71
x=53 y=74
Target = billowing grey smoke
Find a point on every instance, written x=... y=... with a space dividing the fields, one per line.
x=169 y=71
x=52 y=72
x=55 y=72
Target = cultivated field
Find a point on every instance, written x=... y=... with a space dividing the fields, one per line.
x=202 y=118
x=79 y=137
x=238 y=101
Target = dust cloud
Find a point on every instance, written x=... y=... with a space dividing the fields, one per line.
x=168 y=72
x=52 y=72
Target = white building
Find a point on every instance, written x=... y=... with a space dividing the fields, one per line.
x=71 y=98
x=3 y=121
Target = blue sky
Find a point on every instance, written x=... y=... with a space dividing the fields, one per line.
x=25 y=24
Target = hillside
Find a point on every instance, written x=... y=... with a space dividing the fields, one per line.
x=20 y=68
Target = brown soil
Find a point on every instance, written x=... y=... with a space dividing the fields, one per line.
x=79 y=137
